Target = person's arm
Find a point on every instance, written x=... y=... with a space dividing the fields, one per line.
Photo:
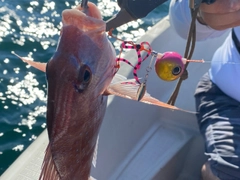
x=180 y=18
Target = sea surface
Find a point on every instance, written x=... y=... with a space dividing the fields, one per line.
x=31 y=28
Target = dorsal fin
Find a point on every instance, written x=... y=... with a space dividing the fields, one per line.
x=49 y=170
x=31 y=62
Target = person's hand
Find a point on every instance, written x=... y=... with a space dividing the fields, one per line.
x=220 y=15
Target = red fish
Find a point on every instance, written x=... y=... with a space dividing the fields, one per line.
x=80 y=76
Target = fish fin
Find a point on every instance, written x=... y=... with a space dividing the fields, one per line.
x=38 y=65
x=122 y=87
x=91 y=178
x=118 y=78
x=49 y=170
x=94 y=161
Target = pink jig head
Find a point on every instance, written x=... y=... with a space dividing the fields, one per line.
x=169 y=66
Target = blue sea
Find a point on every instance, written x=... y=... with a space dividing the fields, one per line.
x=31 y=29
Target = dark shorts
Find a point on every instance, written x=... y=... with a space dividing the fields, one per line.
x=219 y=122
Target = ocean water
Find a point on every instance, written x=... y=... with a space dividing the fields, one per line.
x=31 y=28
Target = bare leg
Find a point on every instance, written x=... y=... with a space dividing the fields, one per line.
x=207 y=173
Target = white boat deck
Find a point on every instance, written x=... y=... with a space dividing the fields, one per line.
x=140 y=141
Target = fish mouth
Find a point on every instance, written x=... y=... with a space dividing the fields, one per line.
x=84 y=19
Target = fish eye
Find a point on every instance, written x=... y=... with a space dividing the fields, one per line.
x=176 y=70
x=87 y=76
x=83 y=79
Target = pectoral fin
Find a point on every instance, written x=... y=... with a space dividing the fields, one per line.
x=31 y=62
x=122 y=87
x=94 y=161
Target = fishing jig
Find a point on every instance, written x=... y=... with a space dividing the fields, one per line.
x=169 y=66
x=138 y=48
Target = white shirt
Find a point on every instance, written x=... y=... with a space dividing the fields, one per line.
x=225 y=66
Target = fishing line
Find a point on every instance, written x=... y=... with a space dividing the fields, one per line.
x=209 y=62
